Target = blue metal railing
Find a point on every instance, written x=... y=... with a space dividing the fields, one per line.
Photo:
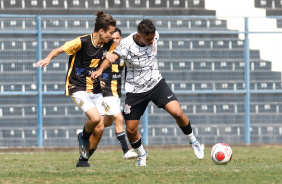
x=39 y=93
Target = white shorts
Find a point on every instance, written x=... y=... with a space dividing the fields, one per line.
x=86 y=101
x=112 y=105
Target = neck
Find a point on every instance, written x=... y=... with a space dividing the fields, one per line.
x=96 y=39
x=137 y=39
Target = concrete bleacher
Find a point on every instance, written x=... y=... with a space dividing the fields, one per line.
x=188 y=62
x=272 y=7
x=121 y=7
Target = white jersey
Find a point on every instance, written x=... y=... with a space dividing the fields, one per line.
x=142 y=72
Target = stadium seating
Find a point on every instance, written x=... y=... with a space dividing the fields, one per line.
x=188 y=62
x=273 y=7
x=120 y=7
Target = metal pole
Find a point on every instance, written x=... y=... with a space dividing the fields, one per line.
x=145 y=127
x=247 y=83
x=39 y=120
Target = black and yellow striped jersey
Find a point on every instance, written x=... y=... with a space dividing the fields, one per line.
x=112 y=78
x=84 y=57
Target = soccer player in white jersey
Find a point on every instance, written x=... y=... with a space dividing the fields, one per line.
x=143 y=84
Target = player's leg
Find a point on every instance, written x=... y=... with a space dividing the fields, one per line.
x=92 y=105
x=112 y=111
x=183 y=122
x=164 y=98
x=83 y=138
x=94 y=140
x=135 y=105
x=83 y=100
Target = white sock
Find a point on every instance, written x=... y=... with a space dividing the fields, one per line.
x=140 y=151
x=191 y=138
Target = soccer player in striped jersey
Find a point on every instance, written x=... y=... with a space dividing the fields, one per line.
x=111 y=87
x=144 y=83
x=86 y=53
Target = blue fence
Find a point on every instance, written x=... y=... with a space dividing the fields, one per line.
x=187 y=83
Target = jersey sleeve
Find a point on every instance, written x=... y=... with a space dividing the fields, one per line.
x=122 y=50
x=112 y=48
x=72 y=46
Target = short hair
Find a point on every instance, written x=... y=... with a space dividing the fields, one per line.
x=146 y=26
x=118 y=30
x=103 y=21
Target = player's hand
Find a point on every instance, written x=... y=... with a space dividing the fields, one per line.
x=95 y=75
x=102 y=84
x=111 y=57
x=43 y=63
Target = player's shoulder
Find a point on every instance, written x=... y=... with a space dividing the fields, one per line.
x=129 y=38
x=84 y=38
x=157 y=35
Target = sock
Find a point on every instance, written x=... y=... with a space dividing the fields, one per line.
x=121 y=138
x=90 y=153
x=191 y=138
x=138 y=147
x=85 y=135
x=187 y=129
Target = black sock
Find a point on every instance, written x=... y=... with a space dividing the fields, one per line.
x=85 y=135
x=121 y=138
x=136 y=144
x=90 y=153
x=187 y=129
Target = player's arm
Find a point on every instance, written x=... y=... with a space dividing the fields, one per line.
x=110 y=58
x=45 y=62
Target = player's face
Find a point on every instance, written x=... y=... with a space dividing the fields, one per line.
x=116 y=38
x=147 y=39
x=107 y=36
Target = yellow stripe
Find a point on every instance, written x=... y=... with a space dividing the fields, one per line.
x=115 y=68
x=114 y=87
x=94 y=63
x=69 y=72
x=76 y=102
x=112 y=48
x=89 y=85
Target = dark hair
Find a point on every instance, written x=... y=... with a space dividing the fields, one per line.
x=103 y=21
x=118 y=30
x=146 y=26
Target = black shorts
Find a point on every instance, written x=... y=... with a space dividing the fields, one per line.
x=136 y=103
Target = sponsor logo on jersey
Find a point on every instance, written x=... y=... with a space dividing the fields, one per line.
x=105 y=75
x=116 y=76
x=71 y=86
x=79 y=71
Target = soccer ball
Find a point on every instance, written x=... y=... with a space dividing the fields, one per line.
x=221 y=153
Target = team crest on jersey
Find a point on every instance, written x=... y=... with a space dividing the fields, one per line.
x=153 y=47
x=81 y=103
x=127 y=109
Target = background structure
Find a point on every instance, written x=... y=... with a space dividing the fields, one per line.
x=223 y=63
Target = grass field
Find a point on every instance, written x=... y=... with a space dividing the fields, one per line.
x=248 y=165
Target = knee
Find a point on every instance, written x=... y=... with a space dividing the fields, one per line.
x=130 y=130
x=178 y=114
x=107 y=124
x=119 y=120
x=94 y=120
x=99 y=129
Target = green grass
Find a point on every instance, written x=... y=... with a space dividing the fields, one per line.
x=249 y=165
